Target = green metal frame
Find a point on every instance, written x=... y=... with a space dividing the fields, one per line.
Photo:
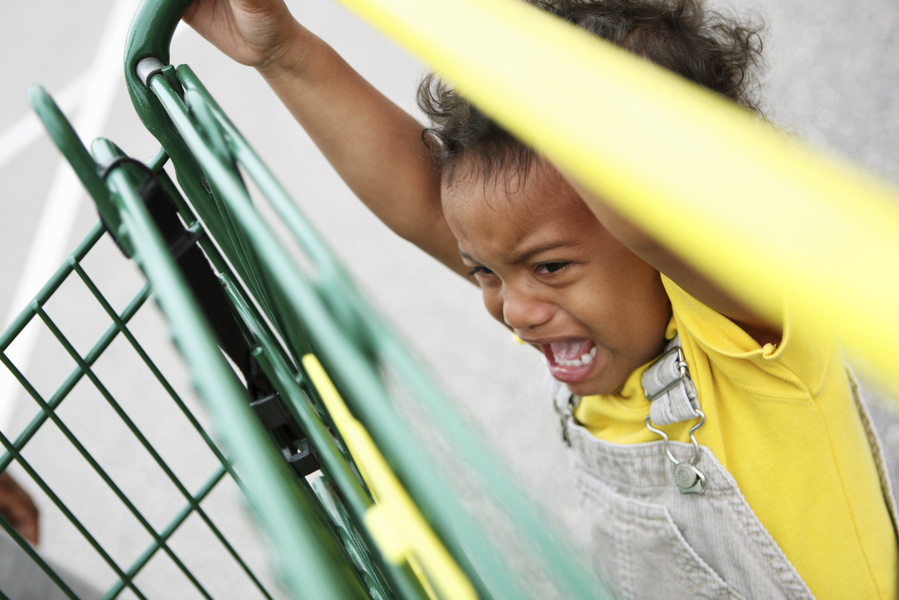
x=72 y=267
x=323 y=549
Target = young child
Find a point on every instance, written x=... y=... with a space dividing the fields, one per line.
x=772 y=484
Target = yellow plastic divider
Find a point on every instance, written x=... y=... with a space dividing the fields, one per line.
x=396 y=524
x=761 y=215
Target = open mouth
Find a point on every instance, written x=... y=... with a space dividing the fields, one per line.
x=570 y=361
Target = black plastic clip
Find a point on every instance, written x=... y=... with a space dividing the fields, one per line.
x=287 y=433
x=275 y=417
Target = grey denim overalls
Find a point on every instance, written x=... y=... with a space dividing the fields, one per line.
x=658 y=531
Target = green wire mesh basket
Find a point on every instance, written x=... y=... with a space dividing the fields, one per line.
x=365 y=481
x=130 y=485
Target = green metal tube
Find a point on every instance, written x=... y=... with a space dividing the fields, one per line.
x=315 y=567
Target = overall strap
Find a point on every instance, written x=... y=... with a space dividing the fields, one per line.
x=669 y=389
x=673 y=399
x=564 y=402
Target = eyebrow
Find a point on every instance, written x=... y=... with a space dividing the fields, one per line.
x=521 y=255
x=465 y=255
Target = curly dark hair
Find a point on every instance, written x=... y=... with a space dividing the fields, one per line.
x=720 y=52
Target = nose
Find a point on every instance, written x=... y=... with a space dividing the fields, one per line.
x=523 y=308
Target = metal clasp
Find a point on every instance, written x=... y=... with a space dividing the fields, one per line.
x=688 y=478
x=565 y=413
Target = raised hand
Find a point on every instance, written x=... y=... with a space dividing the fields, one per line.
x=373 y=144
x=255 y=33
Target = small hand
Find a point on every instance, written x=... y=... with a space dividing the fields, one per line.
x=255 y=33
x=18 y=509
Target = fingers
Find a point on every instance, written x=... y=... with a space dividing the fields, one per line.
x=188 y=15
x=18 y=509
x=248 y=31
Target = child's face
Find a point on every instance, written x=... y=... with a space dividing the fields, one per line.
x=549 y=270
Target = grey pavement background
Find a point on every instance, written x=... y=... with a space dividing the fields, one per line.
x=834 y=80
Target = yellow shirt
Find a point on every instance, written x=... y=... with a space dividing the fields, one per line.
x=782 y=421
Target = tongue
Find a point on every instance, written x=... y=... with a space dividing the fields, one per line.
x=571 y=349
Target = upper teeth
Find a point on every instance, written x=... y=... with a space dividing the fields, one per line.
x=586 y=359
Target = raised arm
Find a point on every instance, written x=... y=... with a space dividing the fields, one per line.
x=692 y=281
x=374 y=145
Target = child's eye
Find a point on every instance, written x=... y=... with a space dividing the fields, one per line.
x=551 y=267
x=480 y=271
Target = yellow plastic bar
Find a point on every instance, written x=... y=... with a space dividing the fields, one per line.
x=762 y=216
x=396 y=524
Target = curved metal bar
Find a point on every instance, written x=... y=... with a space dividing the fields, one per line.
x=150 y=37
x=664 y=435
x=687 y=477
x=671 y=457
x=70 y=145
x=693 y=429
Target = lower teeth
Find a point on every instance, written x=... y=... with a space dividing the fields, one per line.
x=585 y=359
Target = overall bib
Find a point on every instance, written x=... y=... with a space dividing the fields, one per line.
x=655 y=532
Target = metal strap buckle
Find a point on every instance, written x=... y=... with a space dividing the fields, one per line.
x=565 y=412
x=688 y=478
x=682 y=367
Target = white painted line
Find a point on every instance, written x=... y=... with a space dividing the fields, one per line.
x=51 y=242
x=29 y=129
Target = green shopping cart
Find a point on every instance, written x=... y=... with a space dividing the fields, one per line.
x=310 y=406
